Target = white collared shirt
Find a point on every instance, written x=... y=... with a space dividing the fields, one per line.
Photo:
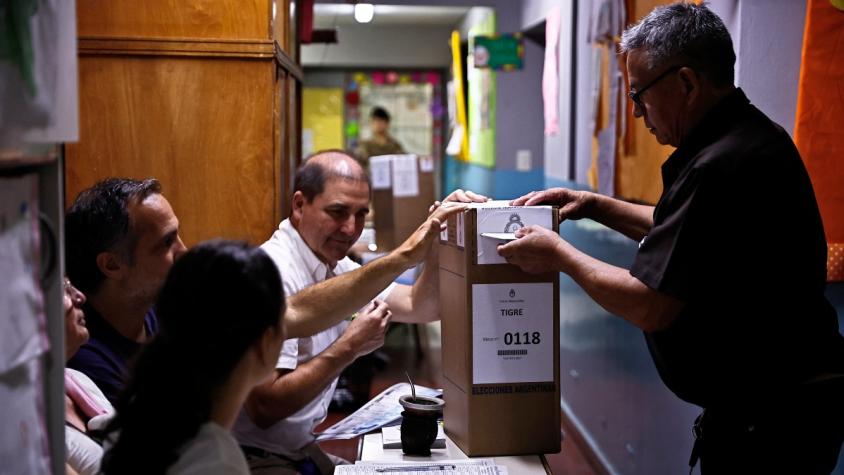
x=300 y=268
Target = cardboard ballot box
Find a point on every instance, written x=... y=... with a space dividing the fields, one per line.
x=500 y=337
x=402 y=192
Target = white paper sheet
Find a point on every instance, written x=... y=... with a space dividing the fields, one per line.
x=22 y=326
x=52 y=114
x=440 y=467
x=379 y=170
x=426 y=164
x=405 y=176
x=512 y=333
x=23 y=437
x=500 y=217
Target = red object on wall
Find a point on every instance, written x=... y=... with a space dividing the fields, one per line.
x=819 y=125
x=306 y=21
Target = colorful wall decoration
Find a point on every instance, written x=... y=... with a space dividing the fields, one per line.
x=499 y=52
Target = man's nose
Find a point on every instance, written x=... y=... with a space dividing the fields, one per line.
x=348 y=226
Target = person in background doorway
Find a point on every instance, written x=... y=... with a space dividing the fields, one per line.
x=381 y=143
x=729 y=278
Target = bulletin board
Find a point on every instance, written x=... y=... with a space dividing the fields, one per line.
x=414 y=100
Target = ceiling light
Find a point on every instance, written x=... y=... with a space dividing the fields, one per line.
x=364 y=12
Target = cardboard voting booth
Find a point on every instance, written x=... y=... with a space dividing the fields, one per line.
x=402 y=192
x=501 y=338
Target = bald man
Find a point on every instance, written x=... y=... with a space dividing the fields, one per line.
x=330 y=203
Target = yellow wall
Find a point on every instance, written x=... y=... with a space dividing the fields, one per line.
x=322 y=118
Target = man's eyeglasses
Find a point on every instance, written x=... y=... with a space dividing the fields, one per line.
x=636 y=96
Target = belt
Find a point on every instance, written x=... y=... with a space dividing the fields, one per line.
x=259 y=452
x=304 y=465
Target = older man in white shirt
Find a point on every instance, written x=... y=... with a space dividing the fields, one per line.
x=330 y=203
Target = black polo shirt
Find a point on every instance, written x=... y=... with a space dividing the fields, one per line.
x=738 y=238
x=106 y=356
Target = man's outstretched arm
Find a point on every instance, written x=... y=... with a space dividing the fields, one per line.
x=323 y=305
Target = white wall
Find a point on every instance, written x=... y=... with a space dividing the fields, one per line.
x=363 y=46
x=769 y=49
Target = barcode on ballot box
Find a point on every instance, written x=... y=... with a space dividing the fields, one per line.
x=511 y=352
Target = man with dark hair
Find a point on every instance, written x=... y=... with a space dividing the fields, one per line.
x=330 y=203
x=122 y=237
x=381 y=142
x=733 y=310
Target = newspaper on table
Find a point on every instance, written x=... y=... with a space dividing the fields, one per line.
x=380 y=411
x=440 y=467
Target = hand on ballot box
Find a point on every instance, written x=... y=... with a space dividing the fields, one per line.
x=573 y=204
x=460 y=196
x=414 y=249
x=535 y=250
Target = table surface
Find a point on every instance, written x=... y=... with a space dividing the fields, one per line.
x=370 y=449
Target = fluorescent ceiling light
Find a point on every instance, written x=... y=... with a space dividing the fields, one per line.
x=364 y=12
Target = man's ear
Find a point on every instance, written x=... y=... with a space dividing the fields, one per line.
x=297 y=205
x=111 y=265
x=691 y=83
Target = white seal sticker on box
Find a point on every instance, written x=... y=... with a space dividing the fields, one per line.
x=461 y=230
x=512 y=333
x=379 y=168
x=499 y=217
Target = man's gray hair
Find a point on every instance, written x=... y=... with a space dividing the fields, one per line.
x=686 y=34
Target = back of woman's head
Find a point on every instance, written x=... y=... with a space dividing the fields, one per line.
x=217 y=301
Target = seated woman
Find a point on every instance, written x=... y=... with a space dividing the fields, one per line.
x=86 y=408
x=220 y=336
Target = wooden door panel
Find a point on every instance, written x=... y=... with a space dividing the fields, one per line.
x=220 y=19
x=202 y=126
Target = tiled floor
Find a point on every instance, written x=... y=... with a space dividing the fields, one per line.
x=427 y=372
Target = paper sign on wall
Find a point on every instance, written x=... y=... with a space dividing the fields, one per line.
x=426 y=164
x=379 y=169
x=405 y=176
x=512 y=333
x=500 y=217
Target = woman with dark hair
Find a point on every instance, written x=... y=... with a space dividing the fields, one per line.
x=220 y=335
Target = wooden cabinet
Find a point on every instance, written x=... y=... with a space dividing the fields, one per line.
x=201 y=94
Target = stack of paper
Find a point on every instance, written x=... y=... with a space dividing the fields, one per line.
x=445 y=467
x=391 y=437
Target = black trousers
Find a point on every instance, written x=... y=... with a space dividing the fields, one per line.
x=801 y=434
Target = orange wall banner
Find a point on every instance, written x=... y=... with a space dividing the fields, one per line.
x=819 y=124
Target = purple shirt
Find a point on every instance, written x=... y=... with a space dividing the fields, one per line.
x=105 y=357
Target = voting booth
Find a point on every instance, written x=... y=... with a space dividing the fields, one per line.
x=402 y=192
x=500 y=336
